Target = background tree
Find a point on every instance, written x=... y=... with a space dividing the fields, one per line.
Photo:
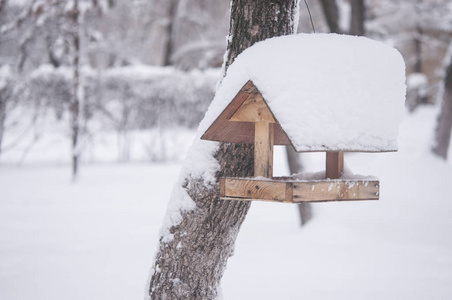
x=5 y=97
x=164 y=14
x=357 y=17
x=190 y=264
x=331 y=12
x=74 y=15
x=444 y=125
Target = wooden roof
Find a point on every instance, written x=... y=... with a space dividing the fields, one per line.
x=346 y=100
x=228 y=128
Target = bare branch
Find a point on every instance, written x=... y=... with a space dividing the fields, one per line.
x=24 y=15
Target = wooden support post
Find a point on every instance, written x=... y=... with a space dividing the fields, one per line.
x=263 y=149
x=334 y=164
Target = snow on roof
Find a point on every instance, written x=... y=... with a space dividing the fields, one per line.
x=327 y=91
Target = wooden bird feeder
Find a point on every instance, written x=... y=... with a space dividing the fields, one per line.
x=249 y=118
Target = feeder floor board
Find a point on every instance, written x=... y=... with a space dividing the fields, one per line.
x=286 y=190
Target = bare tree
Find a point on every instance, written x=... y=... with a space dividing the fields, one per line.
x=295 y=166
x=5 y=96
x=357 y=17
x=443 y=128
x=190 y=264
x=164 y=14
x=331 y=13
x=74 y=16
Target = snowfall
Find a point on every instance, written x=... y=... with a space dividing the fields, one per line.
x=96 y=238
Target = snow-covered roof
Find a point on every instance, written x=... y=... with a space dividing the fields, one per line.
x=326 y=91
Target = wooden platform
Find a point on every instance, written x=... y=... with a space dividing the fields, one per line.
x=287 y=190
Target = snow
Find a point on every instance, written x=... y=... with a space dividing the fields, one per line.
x=347 y=174
x=96 y=239
x=416 y=80
x=5 y=74
x=296 y=17
x=328 y=91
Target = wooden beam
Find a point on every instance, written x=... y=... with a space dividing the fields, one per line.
x=334 y=164
x=239 y=188
x=253 y=109
x=263 y=149
x=335 y=190
x=222 y=187
x=291 y=191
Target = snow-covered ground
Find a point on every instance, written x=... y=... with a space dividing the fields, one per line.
x=96 y=239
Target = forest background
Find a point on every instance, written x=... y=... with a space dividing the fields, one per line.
x=129 y=75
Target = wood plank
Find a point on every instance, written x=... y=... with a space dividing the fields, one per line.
x=287 y=191
x=334 y=164
x=335 y=190
x=251 y=189
x=215 y=132
x=253 y=109
x=222 y=187
x=243 y=132
x=249 y=88
x=263 y=150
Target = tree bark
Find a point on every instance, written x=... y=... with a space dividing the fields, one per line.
x=443 y=129
x=331 y=12
x=191 y=264
x=358 y=17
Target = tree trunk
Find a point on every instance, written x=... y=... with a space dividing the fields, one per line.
x=75 y=103
x=161 y=31
x=190 y=264
x=2 y=5
x=168 y=51
x=418 y=50
x=295 y=166
x=331 y=12
x=358 y=17
x=2 y=115
x=443 y=129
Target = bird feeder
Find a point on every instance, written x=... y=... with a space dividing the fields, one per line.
x=282 y=104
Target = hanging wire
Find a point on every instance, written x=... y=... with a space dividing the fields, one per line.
x=310 y=17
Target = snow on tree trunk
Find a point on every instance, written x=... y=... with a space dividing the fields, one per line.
x=192 y=255
x=443 y=129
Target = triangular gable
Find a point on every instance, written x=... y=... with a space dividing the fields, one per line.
x=253 y=109
x=236 y=123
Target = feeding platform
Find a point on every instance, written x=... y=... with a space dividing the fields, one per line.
x=290 y=190
x=344 y=94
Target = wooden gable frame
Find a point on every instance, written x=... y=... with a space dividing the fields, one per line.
x=229 y=127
